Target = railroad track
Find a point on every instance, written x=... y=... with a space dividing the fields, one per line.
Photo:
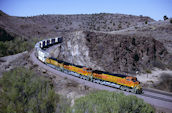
x=158 y=91
x=164 y=96
x=154 y=97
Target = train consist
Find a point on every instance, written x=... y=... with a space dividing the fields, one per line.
x=123 y=82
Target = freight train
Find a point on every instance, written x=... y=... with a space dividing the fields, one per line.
x=120 y=81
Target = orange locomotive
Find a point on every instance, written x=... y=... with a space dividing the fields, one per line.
x=123 y=82
x=127 y=83
x=66 y=67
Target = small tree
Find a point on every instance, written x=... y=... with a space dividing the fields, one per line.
x=165 y=17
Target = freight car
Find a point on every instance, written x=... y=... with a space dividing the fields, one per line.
x=40 y=53
x=123 y=82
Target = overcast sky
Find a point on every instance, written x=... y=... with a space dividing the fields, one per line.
x=155 y=9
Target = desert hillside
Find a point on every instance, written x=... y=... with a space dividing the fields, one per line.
x=110 y=42
x=52 y=25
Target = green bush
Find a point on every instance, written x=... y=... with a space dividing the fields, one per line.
x=111 y=102
x=16 y=46
x=63 y=106
x=22 y=91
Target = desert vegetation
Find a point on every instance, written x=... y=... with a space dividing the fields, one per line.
x=111 y=102
x=22 y=91
x=16 y=45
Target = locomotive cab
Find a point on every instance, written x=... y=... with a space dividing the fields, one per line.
x=133 y=79
x=136 y=84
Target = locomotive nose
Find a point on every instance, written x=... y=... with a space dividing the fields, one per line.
x=139 y=89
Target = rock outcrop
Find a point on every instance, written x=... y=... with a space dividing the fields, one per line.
x=114 y=53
